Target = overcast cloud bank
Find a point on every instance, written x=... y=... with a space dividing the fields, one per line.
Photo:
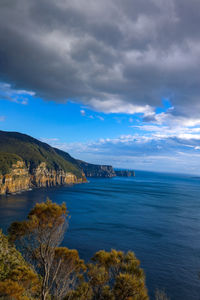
x=114 y=56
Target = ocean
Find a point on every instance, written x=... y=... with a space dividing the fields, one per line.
x=156 y=215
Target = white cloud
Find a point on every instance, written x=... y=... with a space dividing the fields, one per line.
x=139 y=151
x=7 y=92
x=173 y=120
x=115 y=105
x=89 y=116
x=82 y=111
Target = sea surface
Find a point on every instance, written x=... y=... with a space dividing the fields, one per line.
x=155 y=215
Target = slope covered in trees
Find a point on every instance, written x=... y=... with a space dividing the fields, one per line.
x=17 y=146
x=18 y=280
x=34 y=152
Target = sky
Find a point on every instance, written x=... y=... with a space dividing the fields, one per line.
x=111 y=82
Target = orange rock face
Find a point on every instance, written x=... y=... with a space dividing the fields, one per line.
x=20 y=179
x=17 y=180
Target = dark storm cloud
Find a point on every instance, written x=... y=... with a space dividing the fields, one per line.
x=106 y=54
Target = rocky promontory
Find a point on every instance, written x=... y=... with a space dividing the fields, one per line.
x=92 y=170
x=20 y=178
x=125 y=173
x=26 y=163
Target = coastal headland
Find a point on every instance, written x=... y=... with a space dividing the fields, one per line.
x=26 y=162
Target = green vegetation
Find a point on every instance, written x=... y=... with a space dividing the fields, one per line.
x=33 y=152
x=62 y=275
x=18 y=280
x=38 y=238
x=112 y=275
x=6 y=161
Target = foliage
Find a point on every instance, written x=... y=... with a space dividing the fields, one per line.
x=34 y=152
x=18 y=280
x=113 y=275
x=110 y=275
x=6 y=162
x=38 y=238
x=66 y=268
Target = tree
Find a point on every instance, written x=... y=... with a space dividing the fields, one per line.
x=110 y=276
x=38 y=238
x=113 y=275
x=66 y=268
x=83 y=291
x=17 y=278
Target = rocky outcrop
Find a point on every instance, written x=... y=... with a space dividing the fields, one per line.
x=91 y=170
x=17 y=179
x=20 y=178
x=57 y=167
x=26 y=162
x=42 y=177
x=104 y=171
x=125 y=173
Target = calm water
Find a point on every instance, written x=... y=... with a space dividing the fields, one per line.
x=155 y=215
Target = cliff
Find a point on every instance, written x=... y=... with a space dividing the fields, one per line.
x=17 y=179
x=92 y=170
x=26 y=162
x=125 y=173
x=20 y=178
x=33 y=152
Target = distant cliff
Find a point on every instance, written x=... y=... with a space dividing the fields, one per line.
x=125 y=173
x=26 y=162
x=92 y=170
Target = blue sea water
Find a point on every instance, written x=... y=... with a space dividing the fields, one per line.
x=155 y=215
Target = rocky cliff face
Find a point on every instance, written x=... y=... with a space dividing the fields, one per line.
x=125 y=173
x=16 y=180
x=20 y=178
x=92 y=170
x=104 y=171
x=42 y=177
